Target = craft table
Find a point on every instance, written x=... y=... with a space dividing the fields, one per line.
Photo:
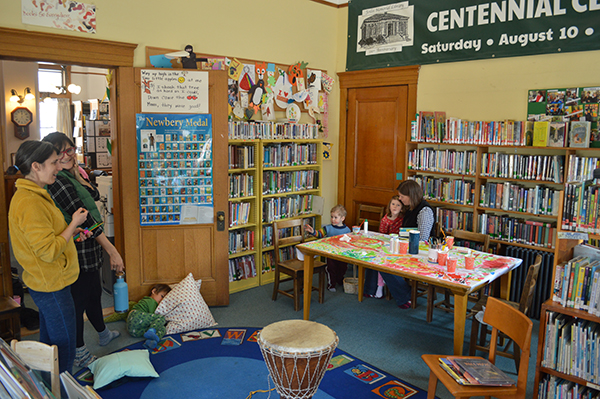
x=372 y=251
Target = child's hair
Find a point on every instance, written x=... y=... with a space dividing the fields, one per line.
x=413 y=190
x=30 y=152
x=339 y=209
x=58 y=140
x=161 y=288
x=388 y=210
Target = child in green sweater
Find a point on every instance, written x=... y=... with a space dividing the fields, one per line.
x=143 y=322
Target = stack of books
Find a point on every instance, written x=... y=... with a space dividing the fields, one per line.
x=474 y=371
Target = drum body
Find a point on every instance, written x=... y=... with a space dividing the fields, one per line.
x=297 y=353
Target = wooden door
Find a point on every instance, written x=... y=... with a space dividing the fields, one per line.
x=166 y=254
x=377 y=109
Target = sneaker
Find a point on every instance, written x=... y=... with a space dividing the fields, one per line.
x=331 y=289
x=405 y=305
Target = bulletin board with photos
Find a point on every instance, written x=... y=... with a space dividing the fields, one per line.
x=175 y=168
x=575 y=107
x=258 y=88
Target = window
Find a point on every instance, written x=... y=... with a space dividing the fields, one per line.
x=48 y=80
x=48 y=116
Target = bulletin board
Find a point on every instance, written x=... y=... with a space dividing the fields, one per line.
x=257 y=89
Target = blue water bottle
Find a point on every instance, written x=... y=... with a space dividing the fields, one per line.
x=121 y=294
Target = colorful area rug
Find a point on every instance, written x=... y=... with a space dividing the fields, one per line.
x=227 y=363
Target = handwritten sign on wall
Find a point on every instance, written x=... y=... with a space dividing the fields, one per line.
x=174 y=91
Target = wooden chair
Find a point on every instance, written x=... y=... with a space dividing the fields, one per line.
x=294 y=267
x=372 y=213
x=523 y=306
x=39 y=356
x=445 y=303
x=514 y=324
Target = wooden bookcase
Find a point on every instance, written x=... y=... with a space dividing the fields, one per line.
x=541 y=371
x=265 y=192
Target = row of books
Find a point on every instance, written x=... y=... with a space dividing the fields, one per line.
x=17 y=379
x=435 y=127
x=268 y=261
x=242 y=268
x=289 y=154
x=581 y=208
x=268 y=130
x=474 y=371
x=286 y=207
x=239 y=213
x=577 y=284
x=241 y=156
x=572 y=346
x=456 y=191
x=515 y=230
x=275 y=182
x=445 y=161
x=241 y=185
x=526 y=167
x=451 y=219
x=240 y=241
x=551 y=387
x=538 y=200
x=581 y=168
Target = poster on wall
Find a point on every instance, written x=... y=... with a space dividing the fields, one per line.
x=383 y=33
x=175 y=169
x=174 y=92
x=69 y=15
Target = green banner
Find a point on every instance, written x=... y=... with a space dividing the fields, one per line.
x=383 y=34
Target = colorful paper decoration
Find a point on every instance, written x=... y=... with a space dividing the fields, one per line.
x=327 y=82
x=283 y=90
x=235 y=69
x=293 y=113
x=295 y=72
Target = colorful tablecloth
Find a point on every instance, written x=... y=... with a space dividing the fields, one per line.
x=374 y=248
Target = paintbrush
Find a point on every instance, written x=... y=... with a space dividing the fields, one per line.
x=76 y=237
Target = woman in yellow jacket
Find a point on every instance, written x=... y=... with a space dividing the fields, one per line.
x=43 y=245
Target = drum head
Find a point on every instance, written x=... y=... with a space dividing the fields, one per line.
x=297 y=336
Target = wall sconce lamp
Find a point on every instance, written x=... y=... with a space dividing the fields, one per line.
x=17 y=98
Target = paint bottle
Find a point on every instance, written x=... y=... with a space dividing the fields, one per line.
x=366 y=226
x=121 y=294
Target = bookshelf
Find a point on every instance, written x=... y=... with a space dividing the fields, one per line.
x=546 y=370
x=479 y=174
x=274 y=173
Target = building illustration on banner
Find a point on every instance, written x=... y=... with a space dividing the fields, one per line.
x=385 y=29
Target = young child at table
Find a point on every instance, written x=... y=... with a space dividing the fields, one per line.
x=143 y=322
x=390 y=224
x=335 y=269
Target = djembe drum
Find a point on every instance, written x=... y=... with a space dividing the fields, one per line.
x=297 y=353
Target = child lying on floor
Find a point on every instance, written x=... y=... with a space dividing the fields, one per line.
x=141 y=319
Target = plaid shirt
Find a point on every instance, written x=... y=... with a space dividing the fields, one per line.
x=65 y=196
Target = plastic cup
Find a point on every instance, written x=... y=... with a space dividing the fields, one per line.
x=469 y=262
x=356 y=229
x=449 y=241
x=403 y=247
x=442 y=257
x=432 y=256
x=451 y=264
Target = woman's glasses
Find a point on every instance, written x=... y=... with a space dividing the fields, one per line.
x=67 y=153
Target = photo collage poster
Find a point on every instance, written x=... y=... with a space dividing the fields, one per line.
x=175 y=169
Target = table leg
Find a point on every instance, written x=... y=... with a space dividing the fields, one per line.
x=460 y=317
x=361 y=282
x=504 y=286
x=309 y=264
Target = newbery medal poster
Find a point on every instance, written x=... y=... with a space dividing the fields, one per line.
x=175 y=168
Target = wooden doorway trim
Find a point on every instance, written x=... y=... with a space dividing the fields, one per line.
x=21 y=45
x=372 y=78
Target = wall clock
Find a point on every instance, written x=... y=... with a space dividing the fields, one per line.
x=21 y=117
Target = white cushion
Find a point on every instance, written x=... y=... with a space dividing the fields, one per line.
x=184 y=308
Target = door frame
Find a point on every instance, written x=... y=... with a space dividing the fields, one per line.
x=408 y=75
x=21 y=45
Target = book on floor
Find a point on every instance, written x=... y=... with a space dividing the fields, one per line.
x=482 y=371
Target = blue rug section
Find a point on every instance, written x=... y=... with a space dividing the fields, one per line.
x=207 y=368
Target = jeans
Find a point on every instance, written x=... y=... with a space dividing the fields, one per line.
x=57 y=323
x=398 y=287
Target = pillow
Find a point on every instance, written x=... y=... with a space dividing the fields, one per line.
x=184 y=308
x=109 y=368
